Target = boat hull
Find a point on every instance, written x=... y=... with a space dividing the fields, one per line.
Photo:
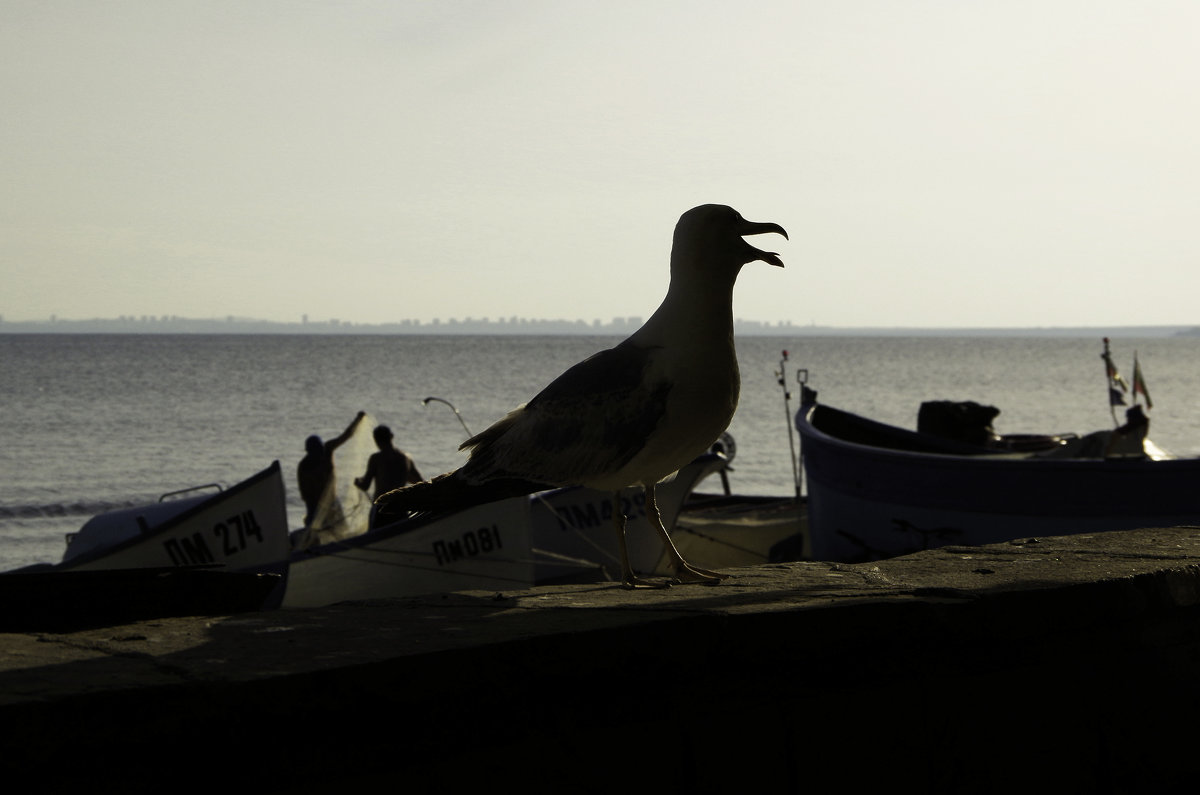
x=485 y=547
x=868 y=502
x=49 y=600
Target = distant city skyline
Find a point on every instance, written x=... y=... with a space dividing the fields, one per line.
x=154 y=324
x=617 y=325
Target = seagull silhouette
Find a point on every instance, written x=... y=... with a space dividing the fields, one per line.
x=631 y=415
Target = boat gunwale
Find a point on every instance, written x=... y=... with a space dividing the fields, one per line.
x=982 y=459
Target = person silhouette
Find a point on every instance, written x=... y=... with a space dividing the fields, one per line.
x=390 y=468
x=315 y=473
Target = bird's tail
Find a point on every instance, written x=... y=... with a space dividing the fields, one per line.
x=449 y=492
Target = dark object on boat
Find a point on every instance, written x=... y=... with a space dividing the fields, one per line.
x=964 y=421
x=47 y=599
x=971 y=423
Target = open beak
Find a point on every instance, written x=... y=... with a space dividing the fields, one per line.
x=752 y=228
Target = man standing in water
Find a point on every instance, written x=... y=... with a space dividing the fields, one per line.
x=315 y=472
x=390 y=468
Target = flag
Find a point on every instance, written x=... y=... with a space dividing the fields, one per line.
x=1117 y=385
x=1139 y=383
x=1115 y=378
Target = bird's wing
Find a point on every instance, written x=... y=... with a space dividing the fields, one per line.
x=590 y=421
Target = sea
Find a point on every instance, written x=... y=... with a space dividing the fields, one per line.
x=92 y=423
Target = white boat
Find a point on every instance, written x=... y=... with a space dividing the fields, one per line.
x=716 y=531
x=559 y=535
x=242 y=528
x=485 y=547
x=573 y=534
x=555 y=535
x=213 y=553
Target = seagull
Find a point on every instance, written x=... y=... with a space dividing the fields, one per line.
x=632 y=415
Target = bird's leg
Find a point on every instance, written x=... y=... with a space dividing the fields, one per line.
x=628 y=578
x=684 y=571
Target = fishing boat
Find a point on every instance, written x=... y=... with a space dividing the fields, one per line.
x=201 y=551
x=484 y=547
x=241 y=528
x=717 y=531
x=876 y=490
x=560 y=535
x=573 y=534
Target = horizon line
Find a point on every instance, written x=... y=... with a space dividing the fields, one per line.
x=153 y=324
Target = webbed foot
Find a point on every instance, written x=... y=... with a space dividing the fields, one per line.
x=687 y=573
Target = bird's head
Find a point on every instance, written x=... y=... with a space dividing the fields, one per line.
x=709 y=238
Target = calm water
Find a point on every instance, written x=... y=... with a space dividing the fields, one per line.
x=93 y=422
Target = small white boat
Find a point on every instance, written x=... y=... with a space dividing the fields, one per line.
x=215 y=553
x=485 y=547
x=573 y=534
x=242 y=528
x=716 y=531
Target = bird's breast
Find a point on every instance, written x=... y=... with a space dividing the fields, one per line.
x=702 y=401
x=702 y=398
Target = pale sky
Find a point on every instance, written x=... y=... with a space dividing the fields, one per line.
x=936 y=162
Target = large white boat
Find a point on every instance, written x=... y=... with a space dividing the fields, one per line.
x=552 y=536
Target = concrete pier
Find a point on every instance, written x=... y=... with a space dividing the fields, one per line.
x=1062 y=665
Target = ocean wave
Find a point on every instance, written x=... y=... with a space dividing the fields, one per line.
x=65 y=509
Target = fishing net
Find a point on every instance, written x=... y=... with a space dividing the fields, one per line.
x=345 y=509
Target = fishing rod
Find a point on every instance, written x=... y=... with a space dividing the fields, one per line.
x=807 y=396
x=456 y=414
x=787 y=412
